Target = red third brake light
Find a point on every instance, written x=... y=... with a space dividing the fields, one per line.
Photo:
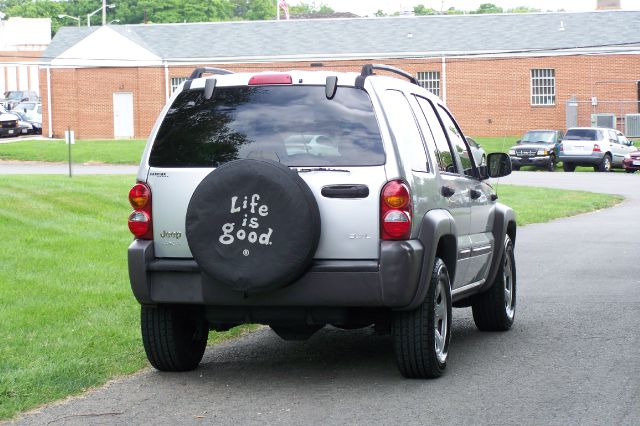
x=395 y=211
x=270 y=79
x=140 y=223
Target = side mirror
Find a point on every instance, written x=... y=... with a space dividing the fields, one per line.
x=498 y=164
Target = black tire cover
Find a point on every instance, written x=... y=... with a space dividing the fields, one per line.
x=253 y=225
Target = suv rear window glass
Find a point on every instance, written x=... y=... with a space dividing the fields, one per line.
x=295 y=125
x=583 y=134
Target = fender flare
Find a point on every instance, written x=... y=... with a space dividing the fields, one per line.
x=435 y=225
x=504 y=222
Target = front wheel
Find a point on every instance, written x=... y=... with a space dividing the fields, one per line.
x=421 y=337
x=174 y=337
x=495 y=309
x=552 y=164
x=605 y=164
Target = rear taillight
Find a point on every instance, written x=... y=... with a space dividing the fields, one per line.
x=596 y=147
x=270 y=79
x=140 y=223
x=395 y=211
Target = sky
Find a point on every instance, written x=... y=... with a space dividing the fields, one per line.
x=369 y=7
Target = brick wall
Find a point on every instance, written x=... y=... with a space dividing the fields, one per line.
x=489 y=97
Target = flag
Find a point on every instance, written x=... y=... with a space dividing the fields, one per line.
x=282 y=4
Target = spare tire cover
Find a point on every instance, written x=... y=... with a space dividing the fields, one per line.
x=253 y=225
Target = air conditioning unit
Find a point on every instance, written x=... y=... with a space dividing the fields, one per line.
x=603 y=120
x=632 y=125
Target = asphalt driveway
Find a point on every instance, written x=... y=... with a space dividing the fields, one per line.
x=572 y=356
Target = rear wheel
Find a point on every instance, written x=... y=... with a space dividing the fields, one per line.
x=630 y=170
x=174 y=337
x=495 y=309
x=568 y=167
x=605 y=164
x=421 y=337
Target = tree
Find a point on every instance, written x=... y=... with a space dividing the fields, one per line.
x=488 y=8
x=523 y=9
x=421 y=10
x=380 y=13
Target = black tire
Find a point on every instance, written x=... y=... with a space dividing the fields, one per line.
x=552 y=164
x=421 y=337
x=495 y=309
x=568 y=167
x=253 y=225
x=605 y=164
x=174 y=338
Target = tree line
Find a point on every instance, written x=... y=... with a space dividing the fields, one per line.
x=178 y=11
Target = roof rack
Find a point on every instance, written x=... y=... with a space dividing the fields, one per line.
x=197 y=73
x=367 y=70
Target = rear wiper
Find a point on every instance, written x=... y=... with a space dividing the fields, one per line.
x=321 y=169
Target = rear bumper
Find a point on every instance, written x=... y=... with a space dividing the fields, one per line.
x=392 y=281
x=589 y=159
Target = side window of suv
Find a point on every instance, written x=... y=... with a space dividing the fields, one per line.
x=458 y=141
x=444 y=154
x=405 y=129
x=613 y=138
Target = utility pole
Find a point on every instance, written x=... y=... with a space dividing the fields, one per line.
x=104 y=12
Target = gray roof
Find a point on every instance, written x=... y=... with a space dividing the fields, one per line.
x=376 y=37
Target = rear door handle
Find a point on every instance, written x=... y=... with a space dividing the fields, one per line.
x=345 y=191
x=475 y=194
x=447 y=191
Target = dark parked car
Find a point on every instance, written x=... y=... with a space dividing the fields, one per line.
x=631 y=162
x=538 y=148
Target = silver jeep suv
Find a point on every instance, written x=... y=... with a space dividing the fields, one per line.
x=304 y=199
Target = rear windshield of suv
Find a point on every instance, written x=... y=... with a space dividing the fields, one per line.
x=295 y=125
x=583 y=134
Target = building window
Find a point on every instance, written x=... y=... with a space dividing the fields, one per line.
x=430 y=80
x=543 y=87
x=175 y=82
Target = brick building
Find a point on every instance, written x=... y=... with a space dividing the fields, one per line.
x=22 y=42
x=500 y=74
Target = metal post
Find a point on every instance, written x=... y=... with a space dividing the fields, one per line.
x=104 y=12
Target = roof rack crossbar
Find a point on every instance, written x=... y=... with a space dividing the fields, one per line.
x=368 y=69
x=197 y=73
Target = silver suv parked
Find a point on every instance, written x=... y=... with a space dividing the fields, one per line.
x=599 y=148
x=304 y=199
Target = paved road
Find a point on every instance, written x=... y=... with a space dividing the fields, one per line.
x=572 y=356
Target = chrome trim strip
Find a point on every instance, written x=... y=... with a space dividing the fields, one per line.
x=477 y=251
x=467 y=287
x=464 y=254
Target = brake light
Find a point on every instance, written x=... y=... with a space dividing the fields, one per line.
x=270 y=79
x=140 y=223
x=395 y=211
x=596 y=147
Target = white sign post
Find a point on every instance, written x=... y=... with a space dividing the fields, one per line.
x=70 y=139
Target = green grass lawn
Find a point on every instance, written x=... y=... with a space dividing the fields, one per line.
x=69 y=319
x=83 y=151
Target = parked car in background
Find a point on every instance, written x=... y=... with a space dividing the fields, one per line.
x=33 y=113
x=14 y=97
x=24 y=126
x=600 y=148
x=631 y=162
x=9 y=125
x=479 y=155
x=538 y=148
